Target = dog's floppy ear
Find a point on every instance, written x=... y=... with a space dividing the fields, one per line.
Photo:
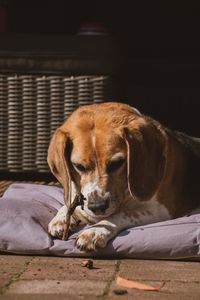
x=58 y=161
x=145 y=160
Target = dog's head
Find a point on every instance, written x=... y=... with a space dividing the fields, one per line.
x=107 y=151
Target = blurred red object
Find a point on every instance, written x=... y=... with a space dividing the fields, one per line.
x=3 y=16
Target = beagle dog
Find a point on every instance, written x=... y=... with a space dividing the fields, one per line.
x=130 y=169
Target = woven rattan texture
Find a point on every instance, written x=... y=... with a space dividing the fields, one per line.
x=33 y=106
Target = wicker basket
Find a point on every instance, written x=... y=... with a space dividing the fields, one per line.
x=33 y=106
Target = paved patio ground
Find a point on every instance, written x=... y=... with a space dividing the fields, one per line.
x=34 y=277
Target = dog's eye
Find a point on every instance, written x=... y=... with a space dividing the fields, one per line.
x=114 y=165
x=80 y=167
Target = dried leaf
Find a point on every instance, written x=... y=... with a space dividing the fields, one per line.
x=137 y=285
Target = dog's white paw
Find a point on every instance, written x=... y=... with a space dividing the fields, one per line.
x=93 y=238
x=57 y=225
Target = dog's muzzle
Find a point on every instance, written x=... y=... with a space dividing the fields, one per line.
x=98 y=204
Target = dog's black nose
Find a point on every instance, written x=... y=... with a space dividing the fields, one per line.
x=98 y=207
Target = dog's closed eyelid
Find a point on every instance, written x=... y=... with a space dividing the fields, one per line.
x=115 y=164
x=82 y=168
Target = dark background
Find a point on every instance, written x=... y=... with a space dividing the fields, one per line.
x=158 y=45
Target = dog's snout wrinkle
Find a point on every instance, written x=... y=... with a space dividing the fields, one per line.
x=99 y=194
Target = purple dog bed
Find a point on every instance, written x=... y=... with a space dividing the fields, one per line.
x=26 y=210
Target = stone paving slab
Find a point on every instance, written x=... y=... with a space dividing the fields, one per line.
x=29 y=277
x=182 y=279
x=171 y=290
x=11 y=267
x=69 y=287
x=160 y=270
x=63 y=269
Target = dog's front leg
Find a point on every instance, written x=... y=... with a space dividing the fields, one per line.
x=99 y=234
x=58 y=223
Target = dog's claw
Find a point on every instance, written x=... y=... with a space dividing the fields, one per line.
x=59 y=233
x=79 y=246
